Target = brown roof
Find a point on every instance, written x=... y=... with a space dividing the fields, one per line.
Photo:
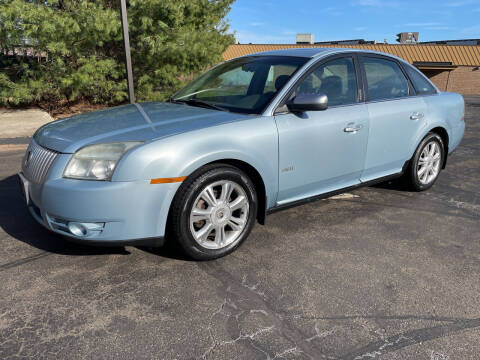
x=459 y=55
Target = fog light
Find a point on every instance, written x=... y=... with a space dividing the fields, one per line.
x=77 y=229
x=80 y=229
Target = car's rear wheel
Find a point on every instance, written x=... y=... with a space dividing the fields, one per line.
x=214 y=211
x=426 y=163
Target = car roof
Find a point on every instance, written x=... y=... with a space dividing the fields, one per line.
x=316 y=52
x=298 y=52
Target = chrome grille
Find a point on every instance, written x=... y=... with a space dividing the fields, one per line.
x=37 y=161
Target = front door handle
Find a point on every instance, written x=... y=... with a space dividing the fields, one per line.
x=416 y=116
x=352 y=129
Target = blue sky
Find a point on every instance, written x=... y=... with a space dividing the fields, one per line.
x=270 y=21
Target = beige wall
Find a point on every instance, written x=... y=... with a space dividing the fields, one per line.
x=463 y=80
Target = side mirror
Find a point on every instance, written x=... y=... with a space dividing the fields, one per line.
x=308 y=102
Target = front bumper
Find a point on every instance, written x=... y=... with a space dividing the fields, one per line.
x=130 y=213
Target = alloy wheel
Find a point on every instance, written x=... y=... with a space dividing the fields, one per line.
x=219 y=214
x=428 y=165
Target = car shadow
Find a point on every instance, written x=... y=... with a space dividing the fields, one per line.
x=169 y=250
x=394 y=185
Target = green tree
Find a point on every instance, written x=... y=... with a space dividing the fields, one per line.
x=78 y=48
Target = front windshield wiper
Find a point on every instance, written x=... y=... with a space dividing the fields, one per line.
x=199 y=103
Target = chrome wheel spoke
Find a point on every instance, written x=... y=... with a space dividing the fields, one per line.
x=226 y=192
x=238 y=203
x=236 y=224
x=220 y=236
x=202 y=234
x=200 y=214
x=424 y=175
x=422 y=170
x=209 y=196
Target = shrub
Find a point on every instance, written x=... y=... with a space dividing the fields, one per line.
x=75 y=48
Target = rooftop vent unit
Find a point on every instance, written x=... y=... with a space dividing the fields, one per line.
x=407 y=38
x=305 y=39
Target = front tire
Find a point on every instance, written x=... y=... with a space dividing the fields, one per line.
x=426 y=163
x=214 y=211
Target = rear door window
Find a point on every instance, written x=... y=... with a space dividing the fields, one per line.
x=385 y=79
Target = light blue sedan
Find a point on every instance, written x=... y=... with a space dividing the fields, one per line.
x=248 y=137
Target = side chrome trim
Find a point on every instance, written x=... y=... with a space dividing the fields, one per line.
x=337 y=192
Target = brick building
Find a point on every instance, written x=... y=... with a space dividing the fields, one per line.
x=451 y=67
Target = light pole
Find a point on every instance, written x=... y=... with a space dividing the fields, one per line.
x=128 y=59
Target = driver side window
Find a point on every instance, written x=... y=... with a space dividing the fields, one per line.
x=336 y=79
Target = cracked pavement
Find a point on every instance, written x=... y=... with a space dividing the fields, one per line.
x=382 y=273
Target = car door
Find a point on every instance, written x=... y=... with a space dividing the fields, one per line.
x=396 y=116
x=322 y=151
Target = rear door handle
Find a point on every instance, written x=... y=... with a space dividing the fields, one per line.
x=353 y=129
x=416 y=116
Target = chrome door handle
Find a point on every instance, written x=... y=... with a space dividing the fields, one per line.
x=353 y=129
x=416 y=116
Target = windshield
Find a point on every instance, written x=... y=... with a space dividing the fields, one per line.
x=244 y=85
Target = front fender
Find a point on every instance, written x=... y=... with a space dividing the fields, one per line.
x=253 y=141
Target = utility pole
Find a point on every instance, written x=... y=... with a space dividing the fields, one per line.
x=128 y=59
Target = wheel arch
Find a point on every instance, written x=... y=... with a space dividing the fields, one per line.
x=257 y=180
x=442 y=132
x=251 y=172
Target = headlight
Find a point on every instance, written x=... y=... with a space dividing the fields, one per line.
x=97 y=162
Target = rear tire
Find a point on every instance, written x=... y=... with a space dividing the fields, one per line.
x=426 y=164
x=214 y=211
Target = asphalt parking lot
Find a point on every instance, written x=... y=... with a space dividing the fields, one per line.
x=381 y=273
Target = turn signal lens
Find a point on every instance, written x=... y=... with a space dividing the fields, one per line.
x=167 y=180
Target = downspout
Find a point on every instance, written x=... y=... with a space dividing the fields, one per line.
x=448 y=80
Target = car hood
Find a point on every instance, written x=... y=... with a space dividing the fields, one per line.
x=135 y=122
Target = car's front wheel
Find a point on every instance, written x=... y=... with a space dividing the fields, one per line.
x=214 y=212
